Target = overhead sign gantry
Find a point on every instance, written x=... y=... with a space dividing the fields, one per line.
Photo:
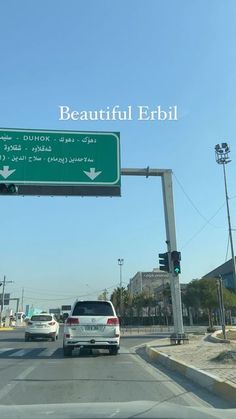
x=46 y=162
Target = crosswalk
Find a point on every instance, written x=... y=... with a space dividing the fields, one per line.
x=30 y=352
x=57 y=352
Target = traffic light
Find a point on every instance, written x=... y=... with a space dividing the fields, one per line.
x=164 y=262
x=176 y=258
x=10 y=189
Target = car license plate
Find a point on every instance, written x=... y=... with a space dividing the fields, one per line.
x=91 y=327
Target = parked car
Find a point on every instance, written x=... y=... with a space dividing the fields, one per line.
x=43 y=325
x=92 y=324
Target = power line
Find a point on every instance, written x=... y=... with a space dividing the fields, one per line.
x=69 y=297
x=193 y=205
x=202 y=228
x=30 y=290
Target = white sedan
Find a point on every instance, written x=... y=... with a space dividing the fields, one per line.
x=43 y=325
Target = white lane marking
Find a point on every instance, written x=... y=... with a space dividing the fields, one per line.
x=48 y=352
x=22 y=352
x=2 y=350
x=10 y=386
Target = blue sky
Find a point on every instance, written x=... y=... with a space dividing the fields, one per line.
x=90 y=55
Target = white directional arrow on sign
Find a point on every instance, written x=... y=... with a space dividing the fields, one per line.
x=92 y=174
x=6 y=172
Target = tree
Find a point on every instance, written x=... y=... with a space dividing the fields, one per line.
x=148 y=300
x=121 y=300
x=103 y=295
x=138 y=301
x=202 y=293
x=208 y=297
x=191 y=296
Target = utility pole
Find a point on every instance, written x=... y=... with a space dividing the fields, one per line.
x=3 y=283
x=22 y=299
x=121 y=263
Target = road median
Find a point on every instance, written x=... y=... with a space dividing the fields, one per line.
x=6 y=329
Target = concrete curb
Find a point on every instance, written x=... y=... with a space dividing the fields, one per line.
x=224 y=389
x=213 y=337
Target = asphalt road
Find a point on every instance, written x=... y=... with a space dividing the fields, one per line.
x=36 y=372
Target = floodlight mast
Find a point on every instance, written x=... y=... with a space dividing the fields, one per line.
x=222 y=157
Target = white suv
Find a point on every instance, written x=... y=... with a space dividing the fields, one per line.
x=43 y=325
x=92 y=324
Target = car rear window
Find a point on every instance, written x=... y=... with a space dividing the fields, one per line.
x=41 y=318
x=93 y=308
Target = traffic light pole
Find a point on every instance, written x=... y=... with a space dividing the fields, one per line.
x=171 y=246
x=166 y=175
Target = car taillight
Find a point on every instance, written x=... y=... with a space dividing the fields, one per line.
x=29 y=322
x=113 y=321
x=72 y=320
x=52 y=323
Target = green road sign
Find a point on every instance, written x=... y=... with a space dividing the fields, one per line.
x=59 y=158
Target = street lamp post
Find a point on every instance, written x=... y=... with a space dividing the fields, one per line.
x=222 y=157
x=121 y=263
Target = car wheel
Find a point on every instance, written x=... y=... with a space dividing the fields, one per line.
x=26 y=338
x=56 y=337
x=113 y=350
x=53 y=337
x=67 y=351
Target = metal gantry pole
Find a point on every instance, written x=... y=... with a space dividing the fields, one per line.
x=171 y=246
x=166 y=175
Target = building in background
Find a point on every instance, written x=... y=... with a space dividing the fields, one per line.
x=225 y=270
x=148 y=281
